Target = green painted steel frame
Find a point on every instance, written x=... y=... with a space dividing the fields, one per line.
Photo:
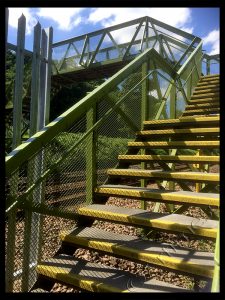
x=159 y=35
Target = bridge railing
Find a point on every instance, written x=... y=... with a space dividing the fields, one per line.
x=105 y=45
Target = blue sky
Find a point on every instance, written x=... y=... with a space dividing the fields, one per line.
x=74 y=21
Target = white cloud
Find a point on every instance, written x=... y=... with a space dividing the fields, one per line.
x=213 y=39
x=113 y=15
x=177 y=17
x=66 y=18
x=188 y=29
x=15 y=14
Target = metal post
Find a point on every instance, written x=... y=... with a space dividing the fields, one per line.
x=35 y=81
x=17 y=116
x=216 y=276
x=207 y=66
x=32 y=220
x=144 y=116
x=173 y=99
x=45 y=83
x=18 y=97
x=91 y=176
x=6 y=25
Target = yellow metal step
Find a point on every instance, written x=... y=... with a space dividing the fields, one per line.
x=175 y=144
x=207 y=86
x=165 y=175
x=131 y=247
x=171 y=158
x=207 y=95
x=209 y=82
x=95 y=277
x=210 y=76
x=162 y=221
x=191 y=121
x=166 y=196
x=208 y=90
x=202 y=105
x=200 y=115
x=204 y=100
x=211 y=110
x=166 y=132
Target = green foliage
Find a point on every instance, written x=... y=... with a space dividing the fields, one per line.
x=108 y=149
x=68 y=96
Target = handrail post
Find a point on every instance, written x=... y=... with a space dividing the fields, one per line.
x=91 y=150
x=216 y=276
x=144 y=115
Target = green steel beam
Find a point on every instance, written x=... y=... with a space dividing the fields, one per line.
x=115 y=44
x=123 y=114
x=63 y=59
x=127 y=24
x=97 y=48
x=133 y=38
x=144 y=115
x=168 y=46
x=186 y=52
x=187 y=62
x=83 y=50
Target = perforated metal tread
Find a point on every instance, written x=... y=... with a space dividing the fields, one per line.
x=207 y=88
x=204 y=84
x=191 y=120
x=162 y=254
x=192 y=131
x=202 y=111
x=210 y=76
x=140 y=217
x=95 y=277
x=214 y=91
x=167 y=196
x=202 y=105
x=162 y=175
x=176 y=144
x=171 y=158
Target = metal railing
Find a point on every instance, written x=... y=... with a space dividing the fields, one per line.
x=104 y=46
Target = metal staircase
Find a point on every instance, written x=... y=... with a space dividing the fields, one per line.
x=197 y=128
x=149 y=135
